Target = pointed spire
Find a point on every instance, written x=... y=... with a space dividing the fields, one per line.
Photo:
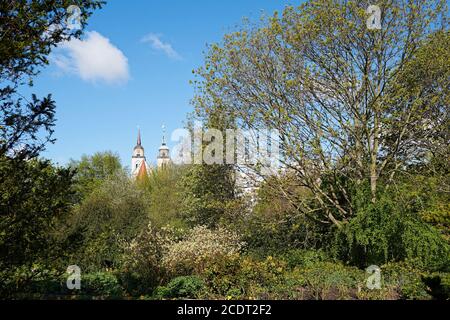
x=164 y=135
x=139 y=137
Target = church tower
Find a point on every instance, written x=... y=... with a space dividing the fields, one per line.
x=138 y=161
x=163 y=159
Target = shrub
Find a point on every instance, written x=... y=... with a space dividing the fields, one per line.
x=439 y=284
x=274 y=223
x=236 y=277
x=314 y=278
x=29 y=282
x=407 y=278
x=327 y=280
x=199 y=248
x=311 y=279
x=181 y=287
x=142 y=269
x=302 y=258
x=206 y=191
x=100 y=285
x=112 y=213
x=39 y=282
x=387 y=232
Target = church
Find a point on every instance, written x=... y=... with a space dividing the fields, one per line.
x=139 y=166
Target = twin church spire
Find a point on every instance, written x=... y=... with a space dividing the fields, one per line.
x=139 y=166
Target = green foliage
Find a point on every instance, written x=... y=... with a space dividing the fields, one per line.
x=92 y=171
x=408 y=278
x=235 y=277
x=25 y=129
x=181 y=287
x=29 y=281
x=114 y=213
x=27 y=39
x=271 y=224
x=100 y=285
x=142 y=268
x=426 y=189
x=39 y=282
x=199 y=248
x=304 y=258
x=23 y=49
x=387 y=231
x=272 y=232
x=207 y=189
x=326 y=280
x=34 y=196
x=163 y=193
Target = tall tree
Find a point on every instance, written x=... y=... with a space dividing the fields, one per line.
x=92 y=171
x=34 y=193
x=207 y=189
x=112 y=214
x=333 y=89
x=28 y=32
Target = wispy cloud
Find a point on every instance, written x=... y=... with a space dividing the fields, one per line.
x=93 y=59
x=157 y=44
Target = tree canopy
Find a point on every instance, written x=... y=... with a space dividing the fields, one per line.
x=349 y=107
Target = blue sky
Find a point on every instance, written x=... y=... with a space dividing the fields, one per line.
x=133 y=68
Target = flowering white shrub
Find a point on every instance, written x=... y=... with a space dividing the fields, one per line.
x=199 y=248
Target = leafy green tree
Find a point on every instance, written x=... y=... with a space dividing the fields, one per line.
x=275 y=226
x=30 y=29
x=336 y=91
x=20 y=127
x=110 y=216
x=207 y=191
x=92 y=171
x=427 y=183
x=163 y=193
x=34 y=196
x=426 y=190
x=390 y=230
x=34 y=193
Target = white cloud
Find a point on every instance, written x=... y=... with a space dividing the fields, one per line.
x=92 y=59
x=157 y=44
